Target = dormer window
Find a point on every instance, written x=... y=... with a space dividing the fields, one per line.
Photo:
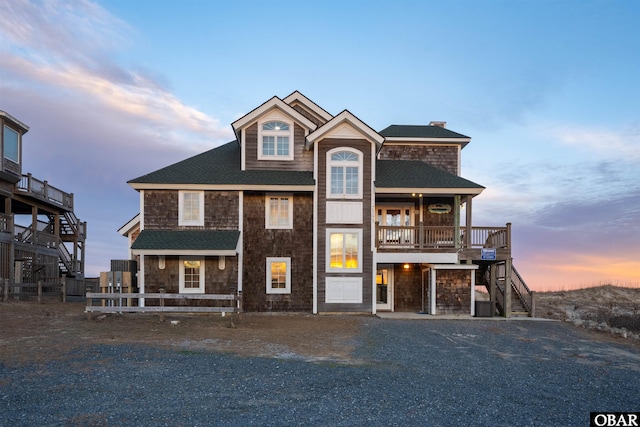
x=276 y=138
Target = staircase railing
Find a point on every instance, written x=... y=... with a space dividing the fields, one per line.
x=518 y=286
x=522 y=290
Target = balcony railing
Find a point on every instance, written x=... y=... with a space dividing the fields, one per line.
x=422 y=237
x=43 y=191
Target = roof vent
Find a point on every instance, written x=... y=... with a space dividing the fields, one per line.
x=439 y=124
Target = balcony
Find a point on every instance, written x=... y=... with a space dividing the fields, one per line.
x=467 y=242
x=41 y=190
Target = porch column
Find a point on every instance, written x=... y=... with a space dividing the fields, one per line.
x=492 y=286
x=467 y=235
x=456 y=210
x=432 y=297
x=507 y=287
x=56 y=225
x=473 y=292
x=34 y=222
x=141 y=280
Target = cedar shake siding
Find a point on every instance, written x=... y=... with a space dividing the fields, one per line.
x=323 y=147
x=216 y=281
x=260 y=243
x=312 y=117
x=302 y=161
x=444 y=157
x=453 y=291
x=161 y=210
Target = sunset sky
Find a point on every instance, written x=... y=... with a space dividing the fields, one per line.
x=549 y=91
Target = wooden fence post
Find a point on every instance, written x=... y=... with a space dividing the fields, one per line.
x=6 y=290
x=89 y=301
x=39 y=291
x=63 y=282
x=161 y=290
x=533 y=303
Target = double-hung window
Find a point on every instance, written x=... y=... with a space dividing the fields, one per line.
x=191 y=208
x=344 y=250
x=279 y=211
x=344 y=171
x=275 y=141
x=278 y=275
x=191 y=275
x=11 y=144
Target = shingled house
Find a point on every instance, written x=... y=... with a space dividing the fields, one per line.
x=310 y=212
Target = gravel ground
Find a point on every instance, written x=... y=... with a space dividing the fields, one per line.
x=437 y=372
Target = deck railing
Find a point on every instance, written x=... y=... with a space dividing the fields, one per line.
x=43 y=191
x=435 y=237
x=6 y=223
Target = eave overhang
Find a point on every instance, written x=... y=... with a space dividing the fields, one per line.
x=431 y=141
x=130 y=225
x=223 y=187
x=15 y=121
x=426 y=190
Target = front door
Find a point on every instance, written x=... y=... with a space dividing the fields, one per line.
x=384 y=287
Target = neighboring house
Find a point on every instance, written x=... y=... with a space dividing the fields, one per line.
x=306 y=211
x=41 y=239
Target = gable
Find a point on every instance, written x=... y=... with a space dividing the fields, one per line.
x=308 y=108
x=345 y=126
x=271 y=106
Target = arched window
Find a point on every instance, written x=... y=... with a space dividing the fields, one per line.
x=344 y=173
x=275 y=141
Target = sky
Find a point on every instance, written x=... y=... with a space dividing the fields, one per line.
x=549 y=92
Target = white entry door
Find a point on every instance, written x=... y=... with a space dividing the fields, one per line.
x=384 y=287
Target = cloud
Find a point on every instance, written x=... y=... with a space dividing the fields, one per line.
x=604 y=142
x=65 y=50
x=94 y=123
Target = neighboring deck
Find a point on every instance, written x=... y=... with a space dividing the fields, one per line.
x=42 y=191
x=429 y=239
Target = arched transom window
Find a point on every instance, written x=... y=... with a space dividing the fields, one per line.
x=344 y=173
x=275 y=141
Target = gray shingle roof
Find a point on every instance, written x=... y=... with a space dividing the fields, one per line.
x=221 y=165
x=192 y=240
x=417 y=174
x=419 y=131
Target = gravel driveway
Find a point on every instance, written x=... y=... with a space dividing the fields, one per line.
x=427 y=373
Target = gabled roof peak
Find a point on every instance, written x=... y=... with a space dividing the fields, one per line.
x=315 y=108
x=345 y=117
x=274 y=102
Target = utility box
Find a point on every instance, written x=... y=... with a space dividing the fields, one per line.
x=484 y=309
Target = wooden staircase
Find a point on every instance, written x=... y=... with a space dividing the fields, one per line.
x=522 y=298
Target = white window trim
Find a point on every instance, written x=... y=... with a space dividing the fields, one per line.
x=4 y=148
x=287 y=288
x=262 y=133
x=200 y=288
x=181 y=220
x=267 y=216
x=331 y=163
x=331 y=231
